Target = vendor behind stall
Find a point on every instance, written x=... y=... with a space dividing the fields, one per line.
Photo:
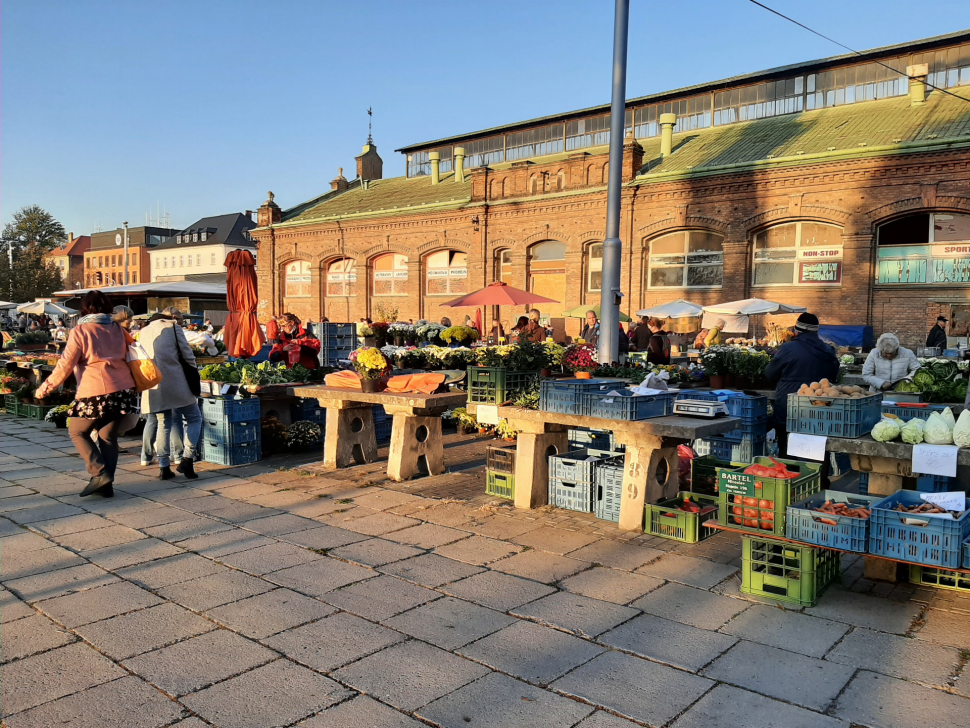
x=295 y=346
x=888 y=364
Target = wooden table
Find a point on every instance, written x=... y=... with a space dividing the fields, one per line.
x=416 y=442
x=647 y=443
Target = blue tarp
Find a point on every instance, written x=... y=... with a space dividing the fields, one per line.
x=847 y=336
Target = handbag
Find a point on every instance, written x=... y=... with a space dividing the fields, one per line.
x=141 y=366
x=192 y=376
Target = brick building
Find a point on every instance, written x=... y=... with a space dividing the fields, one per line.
x=69 y=260
x=104 y=262
x=841 y=184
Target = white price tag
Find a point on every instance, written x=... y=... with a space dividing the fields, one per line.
x=935 y=459
x=810 y=447
x=225 y=388
x=952 y=501
x=487 y=414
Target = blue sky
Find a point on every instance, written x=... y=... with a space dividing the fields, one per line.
x=108 y=107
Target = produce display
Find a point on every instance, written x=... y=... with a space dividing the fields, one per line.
x=753 y=512
x=257 y=375
x=778 y=470
x=835 y=508
x=940 y=428
x=940 y=380
x=926 y=508
x=824 y=388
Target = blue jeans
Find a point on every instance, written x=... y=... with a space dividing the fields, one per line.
x=150 y=433
x=193 y=431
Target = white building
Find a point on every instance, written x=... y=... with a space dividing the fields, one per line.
x=199 y=252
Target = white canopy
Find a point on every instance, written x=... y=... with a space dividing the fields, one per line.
x=41 y=307
x=673 y=310
x=752 y=307
x=4 y=305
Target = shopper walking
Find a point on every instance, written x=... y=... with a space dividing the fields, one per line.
x=937 y=336
x=106 y=400
x=658 y=345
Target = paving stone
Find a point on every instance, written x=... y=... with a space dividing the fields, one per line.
x=361 y=712
x=540 y=566
x=861 y=610
x=382 y=500
x=29 y=636
x=11 y=608
x=273 y=557
x=776 y=673
x=171 y=570
x=379 y=598
x=50 y=675
x=477 y=550
x=730 y=707
x=428 y=535
x=947 y=628
x=410 y=674
x=279 y=525
x=12 y=491
x=449 y=623
x=610 y=585
x=638 y=689
x=670 y=642
x=430 y=570
x=321 y=576
x=380 y=523
x=44 y=513
x=124 y=703
x=323 y=537
x=334 y=641
x=255 y=700
x=238 y=512
x=687 y=570
x=266 y=614
x=17 y=565
x=8 y=505
x=96 y=604
x=599 y=719
x=212 y=591
x=554 y=540
x=25 y=542
x=498 y=591
x=9 y=528
x=192 y=527
x=581 y=615
x=375 y=552
x=99 y=538
x=878 y=701
x=153 y=517
x=499 y=527
x=221 y=543
x=498 y=701
x=690 y=606
x=148 y=629
x=194 y=663
x=71 y=524
x=129 y=554
x=902 y=657
x=60 y=582
x=616 y=555
x=786 y=629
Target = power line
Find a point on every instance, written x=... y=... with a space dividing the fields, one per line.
x=852 y=50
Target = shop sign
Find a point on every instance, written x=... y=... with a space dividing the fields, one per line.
x=951 y=250
x=338 y=277
x=819 y=253
x=820 y=273
x=383 y=275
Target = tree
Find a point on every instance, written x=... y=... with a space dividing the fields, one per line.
x=31 y=234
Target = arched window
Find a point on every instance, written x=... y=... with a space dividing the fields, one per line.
x=687 y=259
x=594 y=268
x=503 y=265
x=297 y=284
x=342 y=278
x=547 y=274
x=391 y=275
x=798 y=253
x=446 y=273
x=931 y=247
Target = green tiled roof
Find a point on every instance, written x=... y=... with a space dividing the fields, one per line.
x=384 y=196
x=873 y=127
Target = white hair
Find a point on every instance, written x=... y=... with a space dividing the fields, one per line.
x=887 y=344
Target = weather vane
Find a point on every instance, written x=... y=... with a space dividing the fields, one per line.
x=370 y=125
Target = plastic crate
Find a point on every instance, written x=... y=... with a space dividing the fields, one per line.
x=743 y=452
x=951 y=353
x=10 y=404
x=928 y=351
x=667 y=520
x=36 y=411
x=500 y=460
x=803 y=523
x=609 y=492
x=230 y=410
x=922 y=412
x=241 y=454
x=750 y=408
x=786 y=572
x=626 y=407
x=326 y=330
x=935 y=483
x=926 y=540
x=563 y=395
x=703 y=473
x=379 y=414
x=841 y=417
x=501 y=485
x=749 y=430
x=494 y=385
x=863 y=483
x=764 y=500
x=309 y=410
x=230 y=433
x=589 y=439
x=332 y=356
x=939 y=578
x=572 y=480
x=382 y=430
x=966 y=554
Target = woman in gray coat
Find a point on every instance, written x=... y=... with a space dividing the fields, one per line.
x=164 y=341
x=888 y=364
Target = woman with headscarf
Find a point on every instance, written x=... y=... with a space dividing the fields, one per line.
x=295 y=346
x=888 y=364
x=713 y=337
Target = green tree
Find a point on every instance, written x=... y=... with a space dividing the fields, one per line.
x=31 y=234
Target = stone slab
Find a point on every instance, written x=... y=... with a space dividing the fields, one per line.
x=266 y=614
x=323 y=537
x=272 y=557
x=171 y=570
x=616 y=554
x=149 y=629
x=221 y=543
x=540 y=566
x=11 y=608
x=380 y=598
x=99 y=538
x=29 y=636
x=477 y=550
x=71 y=524
x=374 y=552
x=279 y=525
x=17 y=565
x=611 y=585
x=428 y=535
x=321 y=576
x=902 y=657
x=449 y=623
x=361 y=712
x=129 y=554
x=430 y=570
x=60 y=582
x=334 y=641
x=688 y=605
x=576 y=613
x=730 y=707
x=44 y=513
x=192 y=527
x=701 y=573
x=497 y=591
x=786 y=629
x=867 y=611
x=669 y=642
x=878 y=701
x=946 y=628
x=554 y=540
x=378 y=524
x=212 y=591
x=96 y=604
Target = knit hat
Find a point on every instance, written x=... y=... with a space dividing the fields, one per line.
x=807 y=322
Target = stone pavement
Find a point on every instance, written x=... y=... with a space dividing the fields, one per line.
x=276 y=595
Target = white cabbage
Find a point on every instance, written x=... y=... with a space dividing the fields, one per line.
x=961 y=432
x=912 y=432
x=885 y=430
x=936 y=431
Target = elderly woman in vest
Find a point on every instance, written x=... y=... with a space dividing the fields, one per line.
x=165 y=342
x=888 y=364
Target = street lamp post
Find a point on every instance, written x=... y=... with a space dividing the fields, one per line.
x=125 y=226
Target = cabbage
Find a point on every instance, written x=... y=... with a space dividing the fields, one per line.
x=905 y=386
x=947 y=414
x=936 y=431
x=924 y=379
x=847 y=359
x=912 y=432
x=886 y=429
x=961 y=432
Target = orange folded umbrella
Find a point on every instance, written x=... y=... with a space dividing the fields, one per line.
x=426 y=383
x=344 y=379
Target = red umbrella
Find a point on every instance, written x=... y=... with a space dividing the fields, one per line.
x=498 y=294
x=242 y=335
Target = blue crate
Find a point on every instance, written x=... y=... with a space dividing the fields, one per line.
x=754 y=430
x=379 y=414
x=230 y=433
x=908 y=413
x=585 y=439
x=572 y=479
x=935 y=542
x=242 y=454
x=627 y=407
x=609 y=491
x=863 y=483
x=563 y=395
x=742 y=452
x=382 y=430
x=966 y=555
x=935 y=483
x=309 y=410
x=840 y=417
x=326 y=330
x=230 y=410
x=802 y=523
x=748 y=407
x=951 y=353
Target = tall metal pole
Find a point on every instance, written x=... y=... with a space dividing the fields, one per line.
x=125 y=226
x=609 y=342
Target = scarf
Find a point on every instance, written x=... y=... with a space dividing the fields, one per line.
x=96 y=318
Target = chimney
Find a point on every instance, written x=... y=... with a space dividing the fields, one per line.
x=70 y=239
x=369 y=163
x=667 y=122
x=340 y=183
x=269 y=212
x=249 y=214
x=435 y=158
x=459 y=164
x=917 y=83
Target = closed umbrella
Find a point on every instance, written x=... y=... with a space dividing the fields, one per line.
x=242 y=334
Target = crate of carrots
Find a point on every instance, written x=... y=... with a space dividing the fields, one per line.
x=755 y=497
x=833 y=519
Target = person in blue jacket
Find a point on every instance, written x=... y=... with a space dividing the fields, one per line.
x=804 y=360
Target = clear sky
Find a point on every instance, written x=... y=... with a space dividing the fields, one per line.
x=108 y=107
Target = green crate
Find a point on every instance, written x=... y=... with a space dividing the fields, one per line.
x=10 y=404
x=665 y=519
x=36 y=411
x=939 y=578
x=501 y=485
x=762 y=502
x=494 y=385
x=703 y=473
x=787 y=572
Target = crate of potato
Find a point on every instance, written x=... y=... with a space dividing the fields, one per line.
x=821 y=408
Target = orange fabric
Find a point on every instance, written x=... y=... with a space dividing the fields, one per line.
x=243 y=335
x=344 y=379
x=425 y=383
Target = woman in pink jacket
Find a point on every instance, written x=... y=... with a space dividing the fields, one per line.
x=106 y=398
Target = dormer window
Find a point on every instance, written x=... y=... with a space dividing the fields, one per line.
x=204 y=235
x=195 y=237
x=178 y=239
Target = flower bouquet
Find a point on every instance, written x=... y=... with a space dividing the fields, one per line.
x=372 y=367
x=58 y=415
x=428 y=331
x=402 y=333
x=380 y=329
x=580 y=359
x=459 y=334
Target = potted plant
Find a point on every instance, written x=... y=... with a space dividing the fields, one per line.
x=749 y=367
x=372 y=367
x=365 y=333
x=428 y=332
x=555 y=353
x=459 y=335
x=32 y=341
x=528 y=356
x=303 y=435
x=718 y=362
x=398 y=332
x=580 y=359
x=58 y=415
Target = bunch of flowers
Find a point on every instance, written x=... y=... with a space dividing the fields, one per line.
x=369 y=362
x=444 y=357
x=410 y=357
x=365 y=330
x=380 y=330
x=461 y=334
x=389 y=351
x=492 y=356
x=405 y=331
x=555 y=351
x=428 y=330
x=18 y=386
x=303 y=434
x=57 y=414
x=580 y=358
x=719 y=360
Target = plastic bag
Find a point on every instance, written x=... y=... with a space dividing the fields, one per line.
x=936 y=431
x=886 y=429
x=912 y=431
x=685 y=455
x=961 y=431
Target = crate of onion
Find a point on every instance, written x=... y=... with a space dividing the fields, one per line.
x=755 y=497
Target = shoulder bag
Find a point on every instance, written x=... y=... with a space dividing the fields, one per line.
x=192 y=377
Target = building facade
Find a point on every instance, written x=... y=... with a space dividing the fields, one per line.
x=104 y=262
x=199 y=252
x=842 y=185
x=69 y=260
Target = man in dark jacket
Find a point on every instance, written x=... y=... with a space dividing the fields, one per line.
x=937 y=335
x=640 y=336
x=805 y=360
x=658 y=348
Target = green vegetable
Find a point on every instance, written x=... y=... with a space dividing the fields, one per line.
x=905 y=386
x=961 y=433
x=937 y=431
x=847 y=359
x=912 y=431
x=923 y=379
x=886 y=429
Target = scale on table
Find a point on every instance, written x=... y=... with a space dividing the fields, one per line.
x=700 y=408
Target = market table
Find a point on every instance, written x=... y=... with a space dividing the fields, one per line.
x=647 y=443
x=415 y=433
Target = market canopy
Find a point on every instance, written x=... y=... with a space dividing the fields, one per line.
x=498 y=294
x=674 y=310
x=46 y=307
x=580 y=312
x=4 y=305
x=753 y=307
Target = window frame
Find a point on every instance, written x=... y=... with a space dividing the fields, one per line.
x=303 y=277
x=449 y=276
x=686 y=265
x=346 y=283
x=796 y=260
x=590 y=268
x=395 y=277
x=926 y=259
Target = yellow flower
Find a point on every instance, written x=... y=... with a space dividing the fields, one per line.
x=371 y=358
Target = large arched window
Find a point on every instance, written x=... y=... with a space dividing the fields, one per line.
x=297 y=279
x=342 y=278
x=798 y=253
x=391 y=275
x=594 y=268
x=931 y=247
x=503 y=265
x=547 y=275
x=686 y=259
x=446 y=273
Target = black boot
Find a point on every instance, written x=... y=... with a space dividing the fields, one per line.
x=186 y=468
x=97 y=483
x=165 y=473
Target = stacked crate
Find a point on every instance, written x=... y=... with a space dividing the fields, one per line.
x=500 y=472
x=572 y=480
x=747 y=442
x=382 y=423
x=336 y=342
x=231 y=431
x=787 y=572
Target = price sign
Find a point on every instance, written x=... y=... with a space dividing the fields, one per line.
x=487 y=414
x=952 y=501
x=935 y=459
x=810 y=447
